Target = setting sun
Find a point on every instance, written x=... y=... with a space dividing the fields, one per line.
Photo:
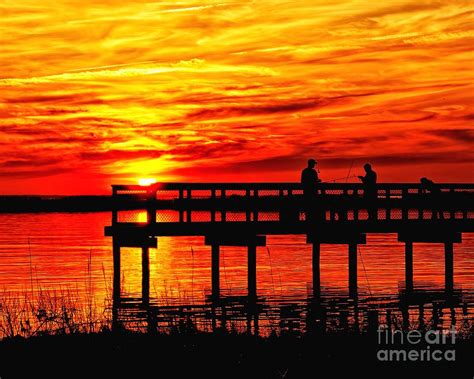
x=146 y=181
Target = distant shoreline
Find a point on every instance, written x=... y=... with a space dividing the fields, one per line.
x=50 y=204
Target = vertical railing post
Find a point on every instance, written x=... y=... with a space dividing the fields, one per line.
x=322 y=206
x=151 y=209
x=213 y=206
x=188 y=202
x=255 y=205
x=181 y=212
x=223 y=210
x=452 y=214
x=114 y=206
x=282 y=204
x=404 y=204
x=420 y=207
x=356 y=208
x=247 y=205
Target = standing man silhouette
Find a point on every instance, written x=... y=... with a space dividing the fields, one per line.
x=370 y=190
x=309 y=178
x=309 y=182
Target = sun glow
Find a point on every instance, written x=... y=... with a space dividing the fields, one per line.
x=146 y=181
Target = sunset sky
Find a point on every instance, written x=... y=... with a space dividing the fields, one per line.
x=100 y=92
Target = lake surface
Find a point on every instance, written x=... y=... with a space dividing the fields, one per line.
x=67 y=253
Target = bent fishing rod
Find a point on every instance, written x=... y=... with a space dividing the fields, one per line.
x=337 y=179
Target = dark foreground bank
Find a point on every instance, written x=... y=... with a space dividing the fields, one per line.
x=216 y=355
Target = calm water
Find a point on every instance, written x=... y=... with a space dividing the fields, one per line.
x=64 y=252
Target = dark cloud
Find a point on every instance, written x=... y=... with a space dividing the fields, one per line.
x=31 y=162
x=459 y=135
x=419 y=119
x=34 y=173
x=249 y=110
x=119 y=155
x=73 y=99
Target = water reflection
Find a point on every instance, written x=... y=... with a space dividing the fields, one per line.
x=418 y=309
x=68 y=253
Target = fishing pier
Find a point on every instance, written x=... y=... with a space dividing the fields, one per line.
x=243 y=214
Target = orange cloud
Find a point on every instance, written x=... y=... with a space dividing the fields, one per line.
x=100 y=92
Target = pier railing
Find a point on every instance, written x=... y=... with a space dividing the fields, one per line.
x=284 y=202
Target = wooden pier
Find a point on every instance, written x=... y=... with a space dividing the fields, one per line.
x=243 y=214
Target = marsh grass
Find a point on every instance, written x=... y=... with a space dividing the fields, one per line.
x=50 y=313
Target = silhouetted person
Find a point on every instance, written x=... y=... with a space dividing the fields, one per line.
x=370 y=190
x=427 y=185
x=309 y=182
x=309 y=178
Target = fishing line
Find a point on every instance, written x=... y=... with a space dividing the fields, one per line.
x=365 y=271
x=350 y=169
x=343 y=178
x=271 y=270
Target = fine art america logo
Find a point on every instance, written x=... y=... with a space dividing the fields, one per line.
x=416 y=346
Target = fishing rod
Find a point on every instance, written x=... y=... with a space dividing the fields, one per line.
x=344 y=178
x=350 y=169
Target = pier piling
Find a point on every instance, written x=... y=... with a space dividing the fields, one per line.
x=145 y=275
x=316 y=263
x=409 y=266
x=215 y=272
x=449 y=266
x=353 y=270
x=252 y=271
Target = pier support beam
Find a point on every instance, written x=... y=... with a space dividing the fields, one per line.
x=252 y=271
x=250 y=241
x=215 y=272
x=448 y=266
x=409 y=266
x=447 y=237
x=316 y=270
x=353 y=270
x=345 y=237
x=145 y=275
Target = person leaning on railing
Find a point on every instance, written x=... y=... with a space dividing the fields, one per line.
x=427 y=185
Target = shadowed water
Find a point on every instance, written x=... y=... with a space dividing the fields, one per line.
x=67 y=253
